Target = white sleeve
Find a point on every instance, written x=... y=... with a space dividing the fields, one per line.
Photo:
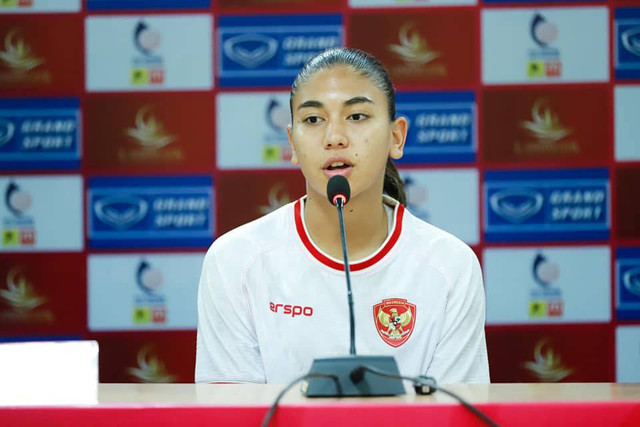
x=227 y=348
x=461 y=354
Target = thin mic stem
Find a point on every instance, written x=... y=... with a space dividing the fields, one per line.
x=343 y=237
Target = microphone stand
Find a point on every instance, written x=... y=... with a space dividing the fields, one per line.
x=347 y=272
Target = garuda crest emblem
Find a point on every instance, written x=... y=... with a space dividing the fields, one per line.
x=394 y=319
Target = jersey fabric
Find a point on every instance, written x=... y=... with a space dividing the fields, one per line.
x=270 y=301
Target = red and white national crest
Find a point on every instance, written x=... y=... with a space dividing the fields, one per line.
x=395 y=319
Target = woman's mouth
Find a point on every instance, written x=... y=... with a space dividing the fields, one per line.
x=337 y=168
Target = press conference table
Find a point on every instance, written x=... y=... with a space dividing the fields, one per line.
x=233 y=405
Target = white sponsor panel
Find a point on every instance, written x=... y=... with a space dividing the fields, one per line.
x=263 y=142
x=41 y=213
x=408 y=3
x=627 y=106
x=151 y=52
x=35 y=6
x=547 y=285
x=545 y=45
x=446 y=198
x=628 y=354
x=143 y=291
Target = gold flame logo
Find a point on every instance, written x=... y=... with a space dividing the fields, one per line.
x=19 y=293
x=547 y=365
x=278 y=197
x=17 y=53
x=545 y=125
x=413 y=48
x=150 y=369
x=149 y=131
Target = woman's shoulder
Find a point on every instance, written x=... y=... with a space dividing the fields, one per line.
x=430 y=239
x=255 y=235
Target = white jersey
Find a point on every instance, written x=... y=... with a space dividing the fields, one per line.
x=270 y=302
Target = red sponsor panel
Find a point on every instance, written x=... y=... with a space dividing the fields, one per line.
x=437 y=46
x=39 y=55
x=551 y=353
x=158 y=133
x=245 y=196
x=627 y=209
x=302 y=4
x=147 y=357
x=43 y=294
x=551 y=124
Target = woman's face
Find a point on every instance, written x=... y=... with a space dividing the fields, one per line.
x=341 y=126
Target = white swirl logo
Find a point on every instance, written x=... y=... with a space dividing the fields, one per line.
x=250 y=50
x=631 y=280
x=7 y=130
x=516 y=206
x=121 y=212
x=631 y=40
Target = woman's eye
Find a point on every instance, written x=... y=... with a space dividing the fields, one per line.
x=312 y=120
x=357 y=116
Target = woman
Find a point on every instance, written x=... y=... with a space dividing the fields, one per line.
x=272 y=294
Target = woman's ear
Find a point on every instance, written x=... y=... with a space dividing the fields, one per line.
x=294 y=157
x=399 y=130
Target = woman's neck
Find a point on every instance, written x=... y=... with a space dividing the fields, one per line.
x=365 y=224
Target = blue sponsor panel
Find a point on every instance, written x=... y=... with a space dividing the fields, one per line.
x=628 y=283
x=94 y=5
x=270 y=50
x=554 y=205
x=627 y=43
x=442 y=127
x=39 y=134
x=150 y=212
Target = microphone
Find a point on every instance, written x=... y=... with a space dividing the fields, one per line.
x=339 y=193
x=346 y=376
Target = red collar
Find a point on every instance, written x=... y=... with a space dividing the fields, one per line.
x=337 y=265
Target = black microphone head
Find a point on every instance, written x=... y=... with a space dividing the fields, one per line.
x=338 y=187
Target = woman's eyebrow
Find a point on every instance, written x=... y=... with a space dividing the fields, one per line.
x=357 y=100
x=317 y=104
x=310 y=104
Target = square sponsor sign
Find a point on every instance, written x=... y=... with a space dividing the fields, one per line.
x=150 y=212
x=627 y=134
x=41 y=213
x=40 y=133
x=99 y=5
x=264 y=144
x=426 y=47
x=147 y=357
x=39 y=6
x=552 y=124
x=446 y=198
x=627 y=273
x=150 y=132
x=39 y=58
x=442 y=127
x=545 y=45
x=628 y=354
x=143 y=291
x=553 y=353
x=36 y=291
x=149 y=52
x=626 y=33
x=546 y=205
x=547 y=285
x=269 y=50
x=250 y=195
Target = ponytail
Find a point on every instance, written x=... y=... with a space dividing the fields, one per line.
x=393 y=185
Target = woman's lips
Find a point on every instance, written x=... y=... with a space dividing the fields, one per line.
x=346 y=171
